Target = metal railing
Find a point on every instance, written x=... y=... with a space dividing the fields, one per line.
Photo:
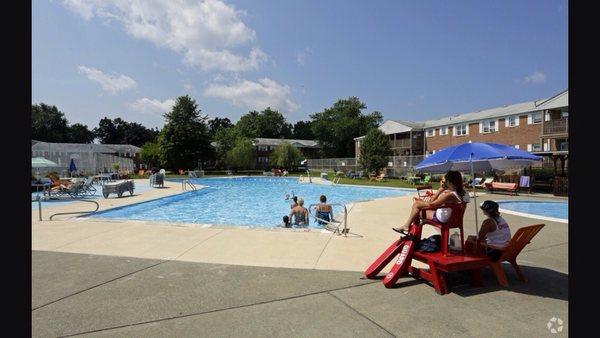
x=333 y=225
x=74 y=212
x=187 y=183
x=560 y=126
x=397 y=165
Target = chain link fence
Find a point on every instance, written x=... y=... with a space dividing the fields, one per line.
x=397 y=165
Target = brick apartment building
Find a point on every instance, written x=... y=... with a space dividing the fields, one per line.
x=265 y=146
x=540 y=127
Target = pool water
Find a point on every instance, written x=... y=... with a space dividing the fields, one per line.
x=547 y=209
x=246 y=201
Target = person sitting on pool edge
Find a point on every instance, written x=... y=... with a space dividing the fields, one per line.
x=453 y=192
x=299 y=214
x=324 y=211
x=494 y=231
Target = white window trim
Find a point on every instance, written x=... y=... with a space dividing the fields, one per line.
x=507 y=123
x=529 y=147
x=530 y=118
x=516 y=146
x=481 y=131
x=455 y=128
x=443 y=133
x=427 y=132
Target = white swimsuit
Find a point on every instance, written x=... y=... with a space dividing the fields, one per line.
x=443 y=214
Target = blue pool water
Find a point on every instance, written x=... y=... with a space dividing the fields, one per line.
x=258 y=202
x=548 y=209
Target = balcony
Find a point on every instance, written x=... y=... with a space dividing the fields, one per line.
x=556 y=127
x=405 y=143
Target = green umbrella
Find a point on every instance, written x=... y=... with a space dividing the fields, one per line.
x=40 y=162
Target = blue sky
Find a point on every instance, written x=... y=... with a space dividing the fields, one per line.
x=412 y=60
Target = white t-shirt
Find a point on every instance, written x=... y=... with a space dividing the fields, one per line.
x=501 y=236
x=443 y=214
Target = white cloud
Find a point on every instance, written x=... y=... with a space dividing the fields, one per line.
x=301 y=57
x=154 y=106
x=203 y=32
x=110 y=83
x=254 y=95
x=535 y=78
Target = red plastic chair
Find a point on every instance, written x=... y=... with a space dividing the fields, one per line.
x=455 y=221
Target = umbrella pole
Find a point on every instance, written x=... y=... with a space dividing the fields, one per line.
x=474 y=196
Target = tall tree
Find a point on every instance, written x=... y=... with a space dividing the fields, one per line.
x=374 y=151
x=150 y=154
x=184 y=140
x=268 y=123
x=335 y=128
x=218 y=123
x=79 y=133
x=285 y=156
x=106 y=131
x=303 y=131
x=242 y=155
x=225 y=139
x=48 y=124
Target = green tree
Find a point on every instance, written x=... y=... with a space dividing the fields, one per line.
x=119 y=131
x=268 y=124
x=218 y=123
x=242 y=155
x=335 y=128
x=302 y=131
x=374 y=151
x=285 y=156
x=184 y=139
x=106 y=131
x=48 y=124
x=79 y=133
x=150 y=154
x=225 y=139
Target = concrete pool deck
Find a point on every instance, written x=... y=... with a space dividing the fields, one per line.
x=133 y=278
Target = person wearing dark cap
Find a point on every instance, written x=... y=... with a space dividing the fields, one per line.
x=494 y=233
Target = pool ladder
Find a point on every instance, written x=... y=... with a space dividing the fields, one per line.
x=333 y=226
x=187 y=183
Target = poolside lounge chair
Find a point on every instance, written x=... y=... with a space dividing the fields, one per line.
x=359 y=174
x=377 y=178
x=157 y=179
x=483 y=184
x=503 y=186
x=424 y=180
x=509 y=254
x=88 y=186
x=118 y=188
x=74 y=190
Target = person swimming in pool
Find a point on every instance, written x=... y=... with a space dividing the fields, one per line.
x=294 y=203
x=299 y=214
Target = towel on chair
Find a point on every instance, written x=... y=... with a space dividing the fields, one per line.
x=524 y=181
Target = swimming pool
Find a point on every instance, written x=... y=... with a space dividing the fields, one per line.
x=245 y=201
x=547 y=210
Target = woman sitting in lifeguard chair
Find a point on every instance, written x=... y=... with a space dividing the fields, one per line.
x=450 y=191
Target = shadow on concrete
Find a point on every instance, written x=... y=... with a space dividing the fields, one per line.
x=541 y=282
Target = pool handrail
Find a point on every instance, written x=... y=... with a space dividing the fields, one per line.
x=186 y=183
x=337 y=228
x=74 y=212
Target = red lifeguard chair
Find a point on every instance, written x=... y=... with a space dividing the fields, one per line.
x=439 y=262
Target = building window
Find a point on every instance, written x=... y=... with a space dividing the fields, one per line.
x=534 y=118
x=516 y=146
x=512 y=121
x=444 y=131
x=262 y=159
x=263 y=148
x=488 y=126
x=534 y=147
x=564 y=114
x=562 y=144
x=460 y=130
x=430 y=132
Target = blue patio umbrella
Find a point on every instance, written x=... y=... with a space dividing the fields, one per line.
x=476 y=156
x=72 y=166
